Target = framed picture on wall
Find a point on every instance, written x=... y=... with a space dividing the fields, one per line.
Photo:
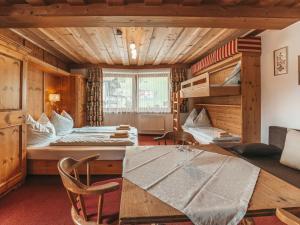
x=281 y=61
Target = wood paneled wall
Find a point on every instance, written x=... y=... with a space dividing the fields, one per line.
x=78 y=102
x=35 y=91
x=71 y=89
x=52 y=85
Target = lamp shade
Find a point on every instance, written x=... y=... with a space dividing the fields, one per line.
x=54 y=97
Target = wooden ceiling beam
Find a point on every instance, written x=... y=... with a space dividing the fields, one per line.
x=191 y=2
x=36 y=2
x=76 y=2
x=203 y=15
x=153 y=2
x=115 y=2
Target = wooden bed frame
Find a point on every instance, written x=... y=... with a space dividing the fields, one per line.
x=49 y=167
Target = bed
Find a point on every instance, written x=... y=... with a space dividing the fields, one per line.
x=42 y=159
x=208 y=135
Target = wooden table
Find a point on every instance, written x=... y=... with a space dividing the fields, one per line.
x=140 y=207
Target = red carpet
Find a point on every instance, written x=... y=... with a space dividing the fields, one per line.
x=42 y=200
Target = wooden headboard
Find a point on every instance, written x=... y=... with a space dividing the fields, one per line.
x=225 y=117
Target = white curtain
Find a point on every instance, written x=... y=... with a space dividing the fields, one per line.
x=144 y=91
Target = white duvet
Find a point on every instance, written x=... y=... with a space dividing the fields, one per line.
x=96 y=136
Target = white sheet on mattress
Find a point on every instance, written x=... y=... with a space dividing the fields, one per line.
x=206 y=135
x=96 y=136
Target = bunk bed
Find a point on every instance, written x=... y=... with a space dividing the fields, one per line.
x=227 y=84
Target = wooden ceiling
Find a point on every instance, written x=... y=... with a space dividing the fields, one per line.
x=111 y=45
x=164 y=31
x=252 y=14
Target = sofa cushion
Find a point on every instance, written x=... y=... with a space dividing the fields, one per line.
x=291 y=152
x=256 y=149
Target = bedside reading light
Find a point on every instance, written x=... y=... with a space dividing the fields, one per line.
x=54 y=98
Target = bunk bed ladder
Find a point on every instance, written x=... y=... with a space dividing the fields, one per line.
x=176 y=111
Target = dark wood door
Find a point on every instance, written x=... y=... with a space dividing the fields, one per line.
x=12 y=119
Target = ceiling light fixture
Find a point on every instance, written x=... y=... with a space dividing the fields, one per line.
x=132 y=46
x=133 y=50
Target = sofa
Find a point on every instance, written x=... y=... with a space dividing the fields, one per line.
x=272 y=163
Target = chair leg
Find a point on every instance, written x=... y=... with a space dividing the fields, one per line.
x=82 y=206
x=100 y=207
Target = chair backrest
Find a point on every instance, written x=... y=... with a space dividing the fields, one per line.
x=68 y=171
x=67 y=168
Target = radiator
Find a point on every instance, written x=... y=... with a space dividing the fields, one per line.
x=152 y=124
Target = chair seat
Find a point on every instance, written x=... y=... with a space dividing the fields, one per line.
x=111 y=203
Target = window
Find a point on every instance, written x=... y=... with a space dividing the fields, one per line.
x=118 y=94
x=136 y=91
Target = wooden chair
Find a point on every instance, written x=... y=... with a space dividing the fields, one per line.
x=287 y=217
x=87 y=200
x=179 y=137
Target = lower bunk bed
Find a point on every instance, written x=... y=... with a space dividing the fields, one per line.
x=42 y=159
x=211 y=135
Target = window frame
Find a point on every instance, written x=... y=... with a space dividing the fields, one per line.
x=135 y=75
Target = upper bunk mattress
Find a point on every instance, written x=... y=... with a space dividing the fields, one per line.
x=206 y=135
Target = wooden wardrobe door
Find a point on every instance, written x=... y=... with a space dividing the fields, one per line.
x=12 y=122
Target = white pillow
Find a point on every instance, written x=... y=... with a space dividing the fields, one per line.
x=202 y=119
x=44 y=120
x=68 y=116
x=62 y=124
x=291 y=152
x=37 y=133
x=189 y=122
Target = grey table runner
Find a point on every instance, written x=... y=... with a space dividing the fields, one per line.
x=210 y=188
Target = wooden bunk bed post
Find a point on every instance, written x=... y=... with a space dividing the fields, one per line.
x=251 y=97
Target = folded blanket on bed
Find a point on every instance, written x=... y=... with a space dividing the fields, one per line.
x=120 y=134
x=123 y=127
